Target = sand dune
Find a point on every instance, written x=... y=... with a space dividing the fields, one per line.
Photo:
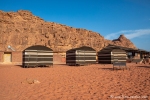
x=94 y=82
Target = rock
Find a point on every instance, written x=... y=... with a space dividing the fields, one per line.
x=22 y=29
x=36 y=81
x=30 y=81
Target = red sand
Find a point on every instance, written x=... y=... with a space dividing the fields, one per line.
x=97 y=82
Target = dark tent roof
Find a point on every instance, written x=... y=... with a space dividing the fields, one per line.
x=83 y=48
x=120 y=47
x=141 y=50
x=109 y=48
x=38 y=47
x=118 y=50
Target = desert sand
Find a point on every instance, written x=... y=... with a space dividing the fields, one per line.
x=62 y=82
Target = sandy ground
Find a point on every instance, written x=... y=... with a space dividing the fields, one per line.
x=93 y=82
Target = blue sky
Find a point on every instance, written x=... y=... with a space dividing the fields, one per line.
x=110 y=18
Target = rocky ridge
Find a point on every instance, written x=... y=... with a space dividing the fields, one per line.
x=22 y=29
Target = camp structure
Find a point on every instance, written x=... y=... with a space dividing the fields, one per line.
x=81 y=56
x=110 y=54
x=38 y=55
x=133 y=54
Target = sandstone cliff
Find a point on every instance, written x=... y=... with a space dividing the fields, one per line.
x=22 y=29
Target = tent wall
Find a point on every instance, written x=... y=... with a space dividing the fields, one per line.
x=85 y=57
x=104 y=58
x=118 y=55
x=71 y=57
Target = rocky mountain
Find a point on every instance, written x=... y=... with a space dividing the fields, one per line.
x=22 y=29
x=121 y=41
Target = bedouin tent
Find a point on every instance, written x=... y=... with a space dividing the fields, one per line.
x=38 y=55
x=81 y=56
x=110 y=54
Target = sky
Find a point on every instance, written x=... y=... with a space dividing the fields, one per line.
x=110 y=18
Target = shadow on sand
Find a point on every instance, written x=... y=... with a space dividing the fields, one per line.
x=144 y=66
x=111 y=69
x=34 y=66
